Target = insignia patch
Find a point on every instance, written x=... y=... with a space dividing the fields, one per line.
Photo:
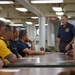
x=67 y=30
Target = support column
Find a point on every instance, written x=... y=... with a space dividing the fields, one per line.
x=50 y=35
x=31 y=30
x=42 y=32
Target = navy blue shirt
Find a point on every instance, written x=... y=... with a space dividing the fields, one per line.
x=21 y=46
x=13 y=48
x=67 y=33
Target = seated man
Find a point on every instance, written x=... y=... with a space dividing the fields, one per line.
x=1 y=63
x=23 y=47
x=2 y=28
x=13 y=46
x=5 y=52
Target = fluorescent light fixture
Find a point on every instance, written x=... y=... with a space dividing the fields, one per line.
x=21 y=9
x=59 y=17
x=46 y=24
x=5 y=20
x=69 y=17
x=34 y=17
x=12 y=24
x=46 y=1
x=59 y=13
x=29 y=23
x=38 y=24
x=8 y=20
x=57 y=8
x=2 y=19
x=6 y=2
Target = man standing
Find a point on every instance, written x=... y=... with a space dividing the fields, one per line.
x=66 y=35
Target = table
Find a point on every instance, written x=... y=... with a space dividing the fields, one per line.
x=38 y=71
x=30 y=65
x=47 y=60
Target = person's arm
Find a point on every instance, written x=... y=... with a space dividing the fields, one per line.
x=12 y=58
x=32 y=52
x=74 y=50
x=23 y=48
x=5 y=53
x=32 y=44
x=68 y=46
x=72 y=41
x=1 y=63
x=73 y=32
x=58 y=41
x=19 y=56
x=58 y=44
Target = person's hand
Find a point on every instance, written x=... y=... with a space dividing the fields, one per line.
x=29 y=40
x=1 y=63
x=19 y=56
x=58 y=50
x=67 y=47
x=73 y=54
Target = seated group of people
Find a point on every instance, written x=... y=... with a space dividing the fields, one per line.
x=12 y=48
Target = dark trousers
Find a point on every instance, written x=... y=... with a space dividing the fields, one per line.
x=62 y=47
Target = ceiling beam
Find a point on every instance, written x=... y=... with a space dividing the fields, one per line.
x=30 y=7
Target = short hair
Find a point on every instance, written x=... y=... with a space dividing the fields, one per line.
x=8 y=28
x=2 y=24
x=14 y=29
x=22 y=33
x=64 y=16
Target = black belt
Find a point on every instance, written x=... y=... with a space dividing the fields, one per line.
x=64 y=42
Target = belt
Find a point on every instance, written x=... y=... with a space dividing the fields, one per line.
x=64 y=42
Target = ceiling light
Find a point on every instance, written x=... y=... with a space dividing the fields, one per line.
x=46 y=24
x=46 y=1
x=6 y=2
x=2 y=19
x=59 y=13
x=12 y=24
x=69 y=17
x=59 y=17
x=8 y=20
x=29 y=23
x=34 y=17
x=38 y=24
x=21 y=9
x=57 y=8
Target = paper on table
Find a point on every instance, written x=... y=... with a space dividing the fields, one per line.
x=9 y=70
